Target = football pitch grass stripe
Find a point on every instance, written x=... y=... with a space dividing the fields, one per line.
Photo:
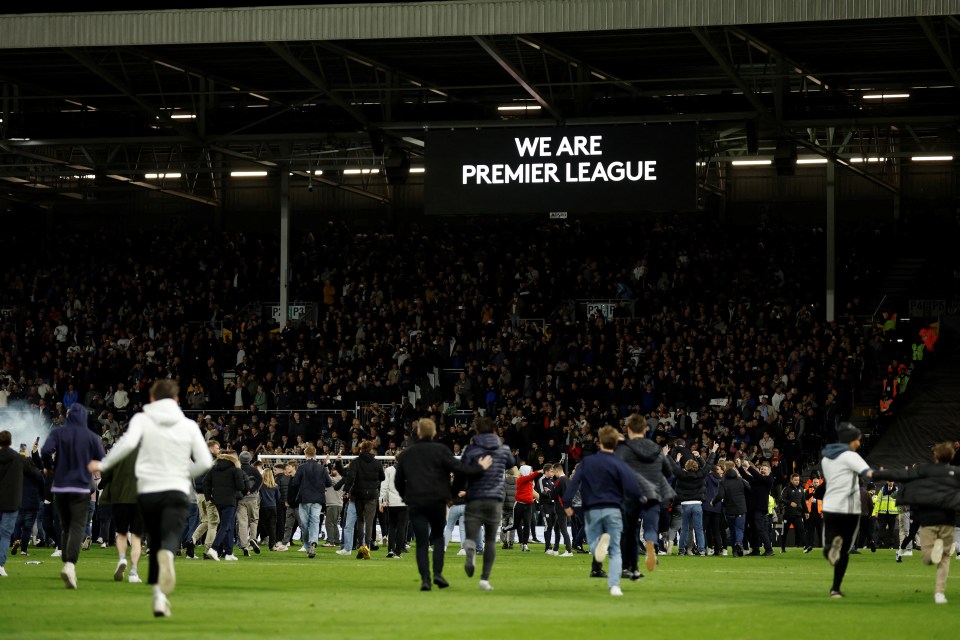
x=289 y=595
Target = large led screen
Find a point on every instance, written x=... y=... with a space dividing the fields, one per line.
x=625 y=168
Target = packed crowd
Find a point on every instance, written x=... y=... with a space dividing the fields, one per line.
x=717 y=346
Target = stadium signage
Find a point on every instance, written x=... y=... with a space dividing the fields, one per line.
x=628 y=168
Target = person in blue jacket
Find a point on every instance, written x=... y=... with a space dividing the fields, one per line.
x=605 y=482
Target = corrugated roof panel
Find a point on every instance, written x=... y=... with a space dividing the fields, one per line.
x=435 y=19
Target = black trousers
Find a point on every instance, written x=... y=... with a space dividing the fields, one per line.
x=560 y=526
x=267 y=527
x=523 y=520
x=164 y=517
x=814 y=528
x=844 y=526
x=629 y=537
x=714 y=528
x=398 y=529
x=73 y=509
x=486 y=514
x=428 y=523
x=799 y=532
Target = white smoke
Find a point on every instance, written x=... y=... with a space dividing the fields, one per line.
x=25 y=424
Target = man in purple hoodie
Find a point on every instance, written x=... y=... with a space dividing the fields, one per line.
x=65 y=454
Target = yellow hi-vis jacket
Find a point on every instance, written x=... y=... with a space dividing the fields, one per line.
x=885 y=504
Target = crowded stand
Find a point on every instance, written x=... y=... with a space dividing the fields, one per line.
x=713 y=337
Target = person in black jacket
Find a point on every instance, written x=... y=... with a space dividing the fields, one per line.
x=224 y=485
x=757 y=506
x=308 y=488
x=362 y=482
x=794 y=512
x=423 y=481
x=691 y=492
x=732 y=494
x=652 y=468
x=14 y=469
x=31 y=499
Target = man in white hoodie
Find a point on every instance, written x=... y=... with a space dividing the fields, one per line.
x=171 y=452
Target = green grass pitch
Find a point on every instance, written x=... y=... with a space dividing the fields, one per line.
x=287 y=595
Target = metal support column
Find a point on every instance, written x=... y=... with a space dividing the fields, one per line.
x=284 y=244
x=831 y=229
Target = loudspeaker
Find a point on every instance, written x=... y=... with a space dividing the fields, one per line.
x=785 y=158
x=396 y=166
x=753 y=139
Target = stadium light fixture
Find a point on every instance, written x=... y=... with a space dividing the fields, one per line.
x=417 y=170
x=518 y=107
x=932 y=158
x=161 y=176
x=751 y=163
x=247 y=174
x=870 y=160
x=812 y=161
x=357 y=172
x=886 y=96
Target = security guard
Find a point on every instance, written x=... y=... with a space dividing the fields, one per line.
x=885 y=510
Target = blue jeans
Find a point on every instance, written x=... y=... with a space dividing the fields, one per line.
x=227 y=530
x=310 y=521
x=599 y=521
x=694 y=513
x=8 y=519
x=193 y=521
x=24 y=529
x=349 y=526
x=89 y=531
x=651 y=522
x=453 y=514
x=736 y=528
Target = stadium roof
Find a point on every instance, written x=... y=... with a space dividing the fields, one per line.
x=109 y=97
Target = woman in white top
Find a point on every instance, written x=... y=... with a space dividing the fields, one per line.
x=842 y=469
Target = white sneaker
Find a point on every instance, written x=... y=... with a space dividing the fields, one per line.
x=56 y=553
x=724 y=553
x=3 y=572
x=103 y=545
x=344 y=552
x=161 y=606
x=167 y=578
x=936 y=552
x=120 y=570
x=69 y=575
x=600 y=553
x=908 y=552
x=566 y=554
x=616 y=591
x=134 y=579
x=462 y=552
x=230 y=557
x=833 y=555
x=940 y=598
x=710 y=552
x=486 y=586
x=212 y=554
x=303 y=548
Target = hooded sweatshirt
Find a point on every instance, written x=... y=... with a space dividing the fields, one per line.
x=172 y=450
x=842 y=468
x=489 y=486
x=651 y=467
x=75 y=446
